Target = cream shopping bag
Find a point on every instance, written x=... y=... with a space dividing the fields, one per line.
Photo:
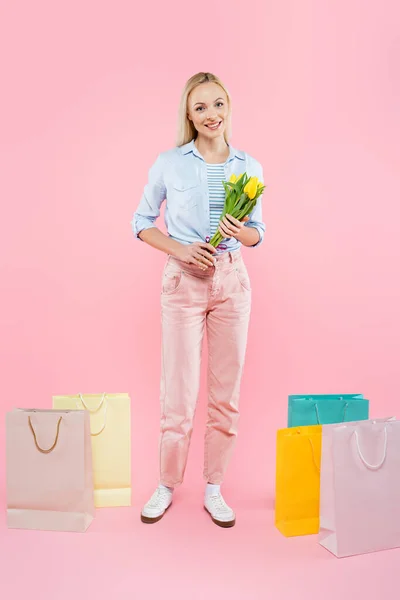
x=110 y=422
x=49 y=470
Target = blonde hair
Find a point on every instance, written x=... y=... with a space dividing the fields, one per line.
x=186 y=130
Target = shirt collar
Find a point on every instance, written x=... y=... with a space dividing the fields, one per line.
x=190 y=147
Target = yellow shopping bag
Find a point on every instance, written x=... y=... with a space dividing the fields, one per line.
x=110 y=424
x=298 y=460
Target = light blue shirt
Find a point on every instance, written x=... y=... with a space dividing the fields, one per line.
x=179 y=176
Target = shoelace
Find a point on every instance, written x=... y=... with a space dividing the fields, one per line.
x=219 y=503
x=157 y=498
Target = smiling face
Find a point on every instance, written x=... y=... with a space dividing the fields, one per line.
x=208 y=109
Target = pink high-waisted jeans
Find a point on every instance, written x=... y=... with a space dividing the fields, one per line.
x=192 y=300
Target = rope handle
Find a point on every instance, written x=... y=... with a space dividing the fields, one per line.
x=94 y=410
x=42 y=450
x=313 y=456
x=366 y=463
x=317 y=412
x=312 y=451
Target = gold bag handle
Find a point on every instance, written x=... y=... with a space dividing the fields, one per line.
x=36 y=442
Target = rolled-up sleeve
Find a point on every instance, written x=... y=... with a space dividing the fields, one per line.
x=255 y=217
x=153 y=196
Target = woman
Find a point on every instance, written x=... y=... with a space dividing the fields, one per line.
x=202 y=287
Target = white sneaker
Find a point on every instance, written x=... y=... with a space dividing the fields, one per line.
x=156 y=507
x=219 y=511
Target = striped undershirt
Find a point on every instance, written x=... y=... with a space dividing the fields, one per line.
x=215 y=176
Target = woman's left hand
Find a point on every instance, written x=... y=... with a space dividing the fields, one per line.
x=230 y=227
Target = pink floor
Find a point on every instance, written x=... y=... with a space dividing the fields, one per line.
x=186 y=556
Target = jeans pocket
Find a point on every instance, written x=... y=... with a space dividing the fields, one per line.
x=243 y=277
x=171 y=281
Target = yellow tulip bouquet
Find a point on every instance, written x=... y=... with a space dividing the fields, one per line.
x=241 y=194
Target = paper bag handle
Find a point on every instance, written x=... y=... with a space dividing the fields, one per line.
x=312 y=452
x=93 y=410
x=42 y=450
x=344 y=413
x=366 y=463
x=313 y=456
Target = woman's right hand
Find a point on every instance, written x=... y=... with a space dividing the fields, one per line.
x=198 y=254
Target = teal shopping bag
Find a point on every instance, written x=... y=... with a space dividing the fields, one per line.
x=323 y=409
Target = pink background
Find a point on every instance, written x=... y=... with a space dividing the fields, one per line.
x=90 y=94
